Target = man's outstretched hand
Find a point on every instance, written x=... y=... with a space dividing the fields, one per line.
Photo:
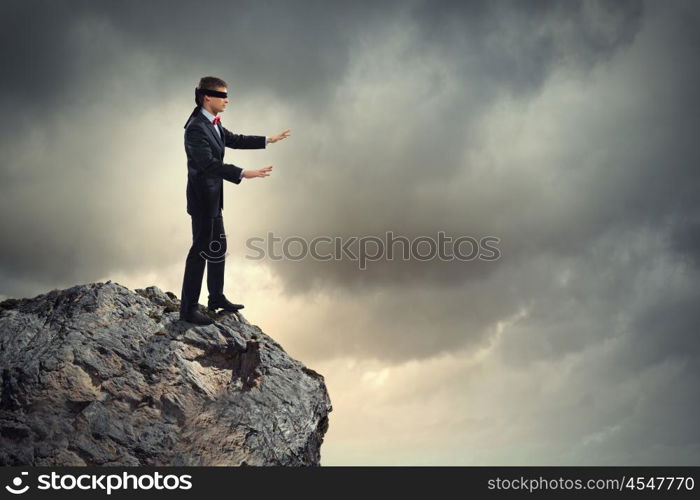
x=263 y=172
x=279 y=137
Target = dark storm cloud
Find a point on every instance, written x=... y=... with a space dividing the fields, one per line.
x=686 y=240
x=519 y=43
x=63 y=60
x=413 y=117
x=66 y=67
x=626 y=167
x=292 y=48
x=396 y=93
x=462 y=58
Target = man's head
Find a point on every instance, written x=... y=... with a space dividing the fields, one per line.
x=214 y=105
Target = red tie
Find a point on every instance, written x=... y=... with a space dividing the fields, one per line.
x=217 y=119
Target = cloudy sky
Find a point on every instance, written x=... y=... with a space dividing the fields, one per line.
x=567 y=130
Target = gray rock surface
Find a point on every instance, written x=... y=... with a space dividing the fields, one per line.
x=98 y=374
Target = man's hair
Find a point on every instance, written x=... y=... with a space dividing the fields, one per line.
x=208 y=83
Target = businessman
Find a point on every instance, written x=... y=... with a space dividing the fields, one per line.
x=205 y=142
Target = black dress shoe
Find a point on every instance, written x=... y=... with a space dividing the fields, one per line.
x=223 y=303
x=196 y=317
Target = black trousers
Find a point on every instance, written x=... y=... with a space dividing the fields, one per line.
x=208 y=248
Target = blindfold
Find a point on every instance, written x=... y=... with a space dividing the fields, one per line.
x=211 y=93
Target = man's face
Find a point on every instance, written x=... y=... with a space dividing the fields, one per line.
x=218 y=104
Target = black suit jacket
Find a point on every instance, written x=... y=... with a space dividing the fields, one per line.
x=206 y=169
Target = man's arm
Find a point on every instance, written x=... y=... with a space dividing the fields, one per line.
x=239 y=141
x=199 y=150
x=266 y=143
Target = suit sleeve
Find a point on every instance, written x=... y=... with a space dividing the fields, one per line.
x=200 y=152
x=239 y=141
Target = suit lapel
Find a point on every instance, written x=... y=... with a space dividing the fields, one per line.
x=219 y=141
x=212 y=133
x=221 y=135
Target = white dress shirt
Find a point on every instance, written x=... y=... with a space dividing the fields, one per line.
x=210 y=117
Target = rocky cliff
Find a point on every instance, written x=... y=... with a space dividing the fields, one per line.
x=99 y=374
